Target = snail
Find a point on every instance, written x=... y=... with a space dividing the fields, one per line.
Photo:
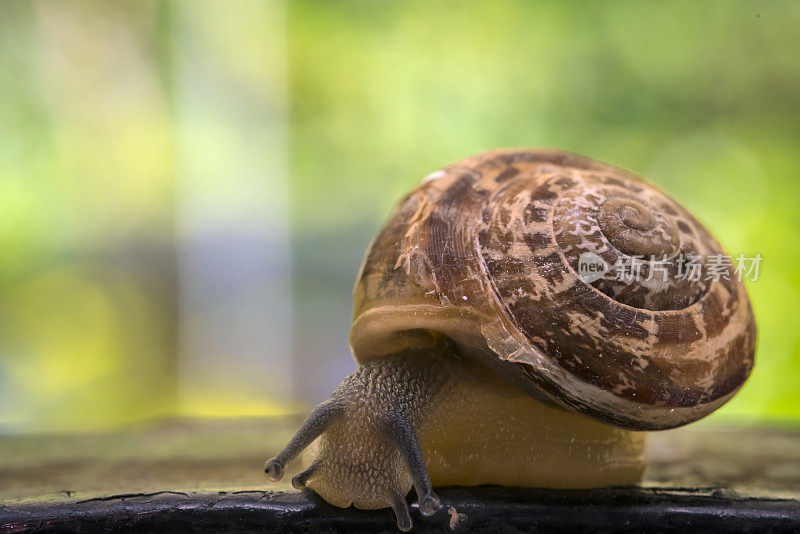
x=487 y=358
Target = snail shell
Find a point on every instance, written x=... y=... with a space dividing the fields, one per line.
x=485 y=252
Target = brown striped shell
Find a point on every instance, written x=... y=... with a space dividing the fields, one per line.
x=486 y=252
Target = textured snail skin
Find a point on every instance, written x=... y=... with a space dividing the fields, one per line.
x=486 y=359
x=473 y=428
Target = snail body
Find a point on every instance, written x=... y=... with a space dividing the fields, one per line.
x=485 y=358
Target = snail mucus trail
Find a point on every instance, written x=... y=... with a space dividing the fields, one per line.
x=485 y=358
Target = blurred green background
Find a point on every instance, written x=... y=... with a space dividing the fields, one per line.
x=187 y=187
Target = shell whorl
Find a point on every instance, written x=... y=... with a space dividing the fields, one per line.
x=488 y=251
x=636 y=227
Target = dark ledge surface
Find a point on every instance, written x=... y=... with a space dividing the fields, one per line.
x=483 y=509
x=185 y=476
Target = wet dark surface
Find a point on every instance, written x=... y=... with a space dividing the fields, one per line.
x=206 y=476
x=482 y=509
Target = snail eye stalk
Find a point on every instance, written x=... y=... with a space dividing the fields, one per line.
x=401 y=434
x=314 y=425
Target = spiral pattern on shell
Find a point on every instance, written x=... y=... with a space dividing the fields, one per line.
x=488 y=253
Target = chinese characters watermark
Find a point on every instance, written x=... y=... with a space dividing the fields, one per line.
x=683 y=267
